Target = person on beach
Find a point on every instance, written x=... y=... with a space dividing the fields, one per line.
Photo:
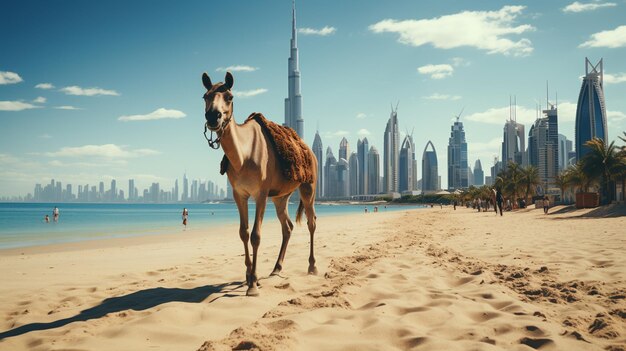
x=499 y=201
x=46 y=219
x=185 y=215
x=454 y=204
x=546 y=205
x=55 y=214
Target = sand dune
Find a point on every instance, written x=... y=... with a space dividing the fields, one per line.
x=432 y=279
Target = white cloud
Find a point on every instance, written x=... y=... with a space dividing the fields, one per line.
x=614 y=78
x=45 y=136
x=436 y=71
x=237 y=68
x=581 y=7
x=363 y=132
x=615 y=38
x=459 y=61
x=15 y=106
x=492 y=145
x=9 y=78
x=67 y=107
x=567 y=111
x=335 y=134
x=160 y=113
x=107 y=151
x=248 y=93
x=322 y=32
x=40 y=100
x=76 y=90
x=44 y=86
x=484 y=30
x=615 y=116
x=360 y=115
x=437 y=96
x=499 y=115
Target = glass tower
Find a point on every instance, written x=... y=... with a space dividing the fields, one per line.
x=591 y=111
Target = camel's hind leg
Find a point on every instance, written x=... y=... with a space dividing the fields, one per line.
x=307 y=200
x=283 y=217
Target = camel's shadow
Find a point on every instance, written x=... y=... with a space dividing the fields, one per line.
x=138 y=301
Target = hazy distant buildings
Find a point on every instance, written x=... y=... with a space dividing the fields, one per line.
x=430 y=171
x=457 y=157
x=479 y=175
x=373 y=171
x=363 y=158
x=407 y=165
x=343 y=178
x=318 y=151
x=353 y=163
x=344 y=149
x=391 y=156
x=591 y=110
x=330 y=175
x=185 y=196
x=293 y=103
x=565 y=148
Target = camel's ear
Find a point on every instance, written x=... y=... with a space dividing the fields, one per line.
x=228 y=80
x=206 y=81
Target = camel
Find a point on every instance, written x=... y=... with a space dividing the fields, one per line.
x=254 y=171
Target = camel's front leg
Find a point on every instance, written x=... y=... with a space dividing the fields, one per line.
x=255 y=239
x=242 y=206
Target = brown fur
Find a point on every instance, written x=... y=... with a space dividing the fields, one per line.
x=295 y=162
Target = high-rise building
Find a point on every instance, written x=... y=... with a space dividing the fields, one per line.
x=591 y=110
x=185 y=196
x=113 y=190
x=457 y=157
x=293 y=103
x=362 y=148
x=406 y=162
x=430 y=171
x=330 y=175
x=344 y=149
x=543 y=146
x=343 y=178
x=353 y=163
x=565 y=147
x=373 y=171
x=131 y=190
x=174 y=191
x=513 y=143
x=318 y=151
x=479 y=175
x=391 y=155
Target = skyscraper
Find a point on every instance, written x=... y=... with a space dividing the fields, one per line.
x=113 y=190
x=131 y=190
x=513 y=143
x=343 y=178
x=353 y=163
x=293 y=103
x=344 y=149
x=391 y=156
x=406 y=163
x=330 y=174
x=185 y=196
x=175 y=191
x=543 y=146
x=479 y=174
x=373 y=171
x=430 y=172
x=362 y=147
x=591 y=110
x=318 y=151
x=457 y=157
x=565 y=147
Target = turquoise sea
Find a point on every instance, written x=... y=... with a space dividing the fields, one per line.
x=22 y=224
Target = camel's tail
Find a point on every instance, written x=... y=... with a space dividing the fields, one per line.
x=299 y=212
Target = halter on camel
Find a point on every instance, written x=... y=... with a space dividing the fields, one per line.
x=262 y=160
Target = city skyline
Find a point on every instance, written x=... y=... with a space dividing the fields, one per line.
x=124 y=106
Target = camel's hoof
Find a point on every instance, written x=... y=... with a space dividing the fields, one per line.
x=276 y=271
x=312 y=270
x=252 y=291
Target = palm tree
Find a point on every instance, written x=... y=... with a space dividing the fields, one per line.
x=513 y=177
x=529 y=179
x=562 y=182
x=601 y=163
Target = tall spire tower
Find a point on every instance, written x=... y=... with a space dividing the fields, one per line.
x=293 y=103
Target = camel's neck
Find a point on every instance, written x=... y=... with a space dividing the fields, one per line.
x=231 y=144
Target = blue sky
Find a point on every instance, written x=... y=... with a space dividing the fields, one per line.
x=124 y=95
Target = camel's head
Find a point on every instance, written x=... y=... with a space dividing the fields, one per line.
x=218 y=101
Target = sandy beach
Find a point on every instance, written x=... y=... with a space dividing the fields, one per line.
x=425 y=279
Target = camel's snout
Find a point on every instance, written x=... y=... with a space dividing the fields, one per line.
x=213 y=118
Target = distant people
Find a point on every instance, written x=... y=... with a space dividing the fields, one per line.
x=499 y=201
x=55 y=214
x=546 y=205
x=441 y=205
x=46 y=219
x=366 y=210
x=185 y=215
x=454 y=204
